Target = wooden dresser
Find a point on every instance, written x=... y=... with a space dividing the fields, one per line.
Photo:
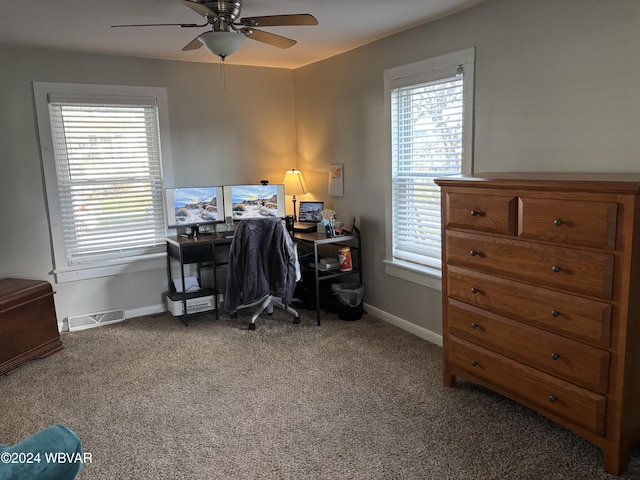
x=541 y=297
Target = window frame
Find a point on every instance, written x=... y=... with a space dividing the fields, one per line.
x=62 y=270
x=416 y=73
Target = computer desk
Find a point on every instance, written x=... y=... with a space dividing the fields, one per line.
x=201 y=250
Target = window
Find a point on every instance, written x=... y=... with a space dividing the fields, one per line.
x=430 y=107
x=102 y=153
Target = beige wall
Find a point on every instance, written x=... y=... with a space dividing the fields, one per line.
x=557 y=88
x=240 y=134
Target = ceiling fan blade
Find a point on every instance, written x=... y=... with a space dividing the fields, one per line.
x=192 y=45
x=181 y=25
x=270 y=38
x=199 y=8
x=279 y=20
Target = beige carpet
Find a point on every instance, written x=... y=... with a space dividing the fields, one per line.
x=152 y=399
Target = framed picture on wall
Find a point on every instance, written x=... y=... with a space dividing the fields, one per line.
x=336 y=179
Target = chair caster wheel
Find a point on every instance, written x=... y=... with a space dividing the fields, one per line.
x=233 y=315
x=296 y=320
x=252 y=326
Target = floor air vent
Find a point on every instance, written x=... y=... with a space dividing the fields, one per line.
x=90 y=320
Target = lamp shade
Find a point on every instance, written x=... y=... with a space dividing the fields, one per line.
x=294 y=183
x=222 y=43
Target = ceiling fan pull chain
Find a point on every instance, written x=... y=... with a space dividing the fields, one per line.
x=223 y=74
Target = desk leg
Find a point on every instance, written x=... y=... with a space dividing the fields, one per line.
x=317 y=280
x=183 y=317
x=215 y=280
x=171 y=288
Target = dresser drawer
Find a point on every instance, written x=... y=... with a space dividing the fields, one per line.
x=588 y=224
x=574 y=270
x=573 y=361
x=489 y=213
x=576 y=317
x=527 y=385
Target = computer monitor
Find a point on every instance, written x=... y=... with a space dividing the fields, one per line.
x=310 y=212
x=254 y=200
x=194 y=206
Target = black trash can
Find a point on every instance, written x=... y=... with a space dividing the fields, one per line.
x=350 y=298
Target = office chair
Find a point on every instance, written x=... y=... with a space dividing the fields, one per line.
x=263 y=268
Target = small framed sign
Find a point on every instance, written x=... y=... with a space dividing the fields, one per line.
x=336 y=180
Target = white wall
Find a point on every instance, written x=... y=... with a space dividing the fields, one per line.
x=242 y=134
x=557 y=88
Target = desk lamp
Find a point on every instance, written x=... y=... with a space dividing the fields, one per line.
x=294 y=185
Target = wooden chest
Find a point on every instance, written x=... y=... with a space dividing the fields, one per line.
x=540 y=297
x=28 y=323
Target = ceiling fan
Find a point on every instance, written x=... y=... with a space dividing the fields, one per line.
x=228 y=31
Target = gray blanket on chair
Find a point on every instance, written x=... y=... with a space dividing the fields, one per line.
x=261 y=261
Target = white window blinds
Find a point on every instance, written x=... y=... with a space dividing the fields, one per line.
x=427 y=124
x=109 y=174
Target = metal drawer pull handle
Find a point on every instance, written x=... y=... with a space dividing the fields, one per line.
x=473 y=253
x=474 y=290
x=552 y=398
x=555 y=313
x=474 y=213
x=555 y=356
x=557 y=222
x=474 y=325
x=555 y=269
x=474 y=363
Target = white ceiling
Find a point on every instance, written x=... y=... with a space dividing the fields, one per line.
x=85 y=26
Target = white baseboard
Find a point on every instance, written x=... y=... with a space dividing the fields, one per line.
x=417 y=330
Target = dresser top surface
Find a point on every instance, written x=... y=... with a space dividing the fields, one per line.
x=610 y=182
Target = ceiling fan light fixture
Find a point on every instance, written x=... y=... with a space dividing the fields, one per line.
x=222 y=44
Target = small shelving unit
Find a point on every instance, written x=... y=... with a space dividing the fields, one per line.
x=200 y=251
x=353 y=241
